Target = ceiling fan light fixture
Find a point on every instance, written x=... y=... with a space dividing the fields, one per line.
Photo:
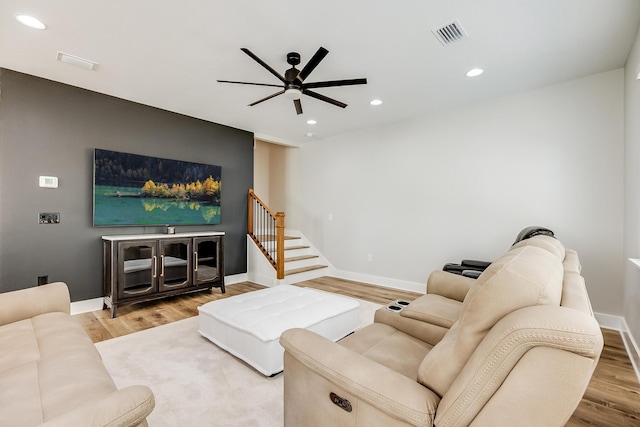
x=293 y=93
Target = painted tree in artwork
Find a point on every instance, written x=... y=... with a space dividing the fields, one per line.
x=149 y=188
x=210 y=187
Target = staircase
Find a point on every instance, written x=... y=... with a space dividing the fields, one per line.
x=300 y=258
x=302 y=261
x=276 y=256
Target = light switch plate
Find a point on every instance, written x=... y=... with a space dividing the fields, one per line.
x=48 y=181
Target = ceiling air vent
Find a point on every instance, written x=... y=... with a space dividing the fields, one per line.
x=449 y=33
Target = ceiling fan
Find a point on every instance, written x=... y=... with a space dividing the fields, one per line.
x=293 y=82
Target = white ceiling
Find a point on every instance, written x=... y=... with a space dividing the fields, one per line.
x=169 y=54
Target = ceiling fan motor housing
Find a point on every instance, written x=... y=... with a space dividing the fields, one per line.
x=290 y=76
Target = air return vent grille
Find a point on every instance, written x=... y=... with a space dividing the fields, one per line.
x=449 y=33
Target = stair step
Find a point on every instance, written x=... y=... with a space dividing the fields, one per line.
x=272 y=237
x=300 y=258
x=304 y=269
x=291 y=248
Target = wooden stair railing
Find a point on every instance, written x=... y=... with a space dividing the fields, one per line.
x=265 y=228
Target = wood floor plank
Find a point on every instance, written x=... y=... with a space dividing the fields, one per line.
x=612 y=398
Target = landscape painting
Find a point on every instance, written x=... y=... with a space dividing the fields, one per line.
x=130 y=189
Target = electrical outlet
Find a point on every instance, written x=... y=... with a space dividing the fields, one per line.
x=49 y=218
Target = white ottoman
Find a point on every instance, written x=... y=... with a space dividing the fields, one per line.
x=249 y=325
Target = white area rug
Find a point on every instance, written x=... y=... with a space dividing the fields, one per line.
x=196 y=383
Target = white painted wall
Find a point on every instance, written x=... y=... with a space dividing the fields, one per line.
x=464 y=182
x=632 y=189
x=261 y=178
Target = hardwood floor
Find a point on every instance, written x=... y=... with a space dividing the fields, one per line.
x=612 y=398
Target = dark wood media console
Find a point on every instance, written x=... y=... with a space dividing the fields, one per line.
x=137 y=268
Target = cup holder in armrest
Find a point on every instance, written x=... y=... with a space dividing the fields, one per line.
x=397 y=306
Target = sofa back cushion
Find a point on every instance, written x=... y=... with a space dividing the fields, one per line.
x=529 y=274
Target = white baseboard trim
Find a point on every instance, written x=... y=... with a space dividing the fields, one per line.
x=382 y=281
x=619 y=323
x=85 y=306
x=609 y=321
x=95 y=304
x=235 y=278
x=633 y=350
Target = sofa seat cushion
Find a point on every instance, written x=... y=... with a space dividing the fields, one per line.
x=386 y=345
x=434 y=309
x=58 y=370
x=18 y=345
x=525 y=276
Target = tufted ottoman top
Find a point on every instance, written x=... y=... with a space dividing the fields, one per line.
x=267 y=313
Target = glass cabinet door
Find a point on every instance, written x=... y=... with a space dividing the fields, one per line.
x=137 y=268
x=175 y=264
x=207 y=255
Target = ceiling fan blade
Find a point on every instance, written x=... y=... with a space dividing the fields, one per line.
x=312 y=64
x=247 y=83
x=264 y=64
x=298 y=105
x=324 y=98
x=331 y=83
x=266 y=98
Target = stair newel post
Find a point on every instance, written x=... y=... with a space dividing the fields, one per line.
x=280 y=245
x=250 y=213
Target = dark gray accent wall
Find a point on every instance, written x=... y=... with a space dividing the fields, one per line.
x=51 y=129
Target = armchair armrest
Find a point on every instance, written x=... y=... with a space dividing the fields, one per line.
x=449 y=285
x=127 y=407
x=543 y=354
x=384 y=389
x=27 y=303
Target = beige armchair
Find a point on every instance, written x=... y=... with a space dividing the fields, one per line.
x=517 y=346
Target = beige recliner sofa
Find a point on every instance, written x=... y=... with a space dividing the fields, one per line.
x=51 y=374
x=516 y=347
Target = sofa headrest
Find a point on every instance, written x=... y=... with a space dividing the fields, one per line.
x=548 y=243
x=525 y=276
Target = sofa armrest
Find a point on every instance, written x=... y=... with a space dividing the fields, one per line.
x=27 y=303
x=543 y=354
x=129 y=406
x=384 y=389
x=449 y=285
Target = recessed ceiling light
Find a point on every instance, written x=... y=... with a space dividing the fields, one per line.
x=31 y=22
x=309 y=134
x=311 y=122
x=475 y=72
x=376 y=102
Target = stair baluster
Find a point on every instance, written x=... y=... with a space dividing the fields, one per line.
x=266 y=228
